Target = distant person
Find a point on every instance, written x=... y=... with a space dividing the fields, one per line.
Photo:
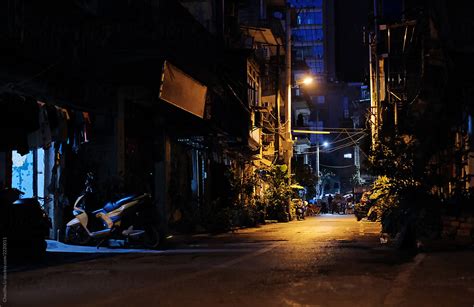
x=330 y=204
x=324 y=207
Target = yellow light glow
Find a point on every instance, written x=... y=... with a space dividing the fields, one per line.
x=308 y=80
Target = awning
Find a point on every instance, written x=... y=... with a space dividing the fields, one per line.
x=182 y=91
x=264 y=36
x=261 y=35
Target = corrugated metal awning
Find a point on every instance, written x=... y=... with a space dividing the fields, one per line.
x=264 y=36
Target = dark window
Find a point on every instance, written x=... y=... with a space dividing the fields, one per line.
x=346 y=107
x=307 y=35
x=300 y=121
x=305 y=52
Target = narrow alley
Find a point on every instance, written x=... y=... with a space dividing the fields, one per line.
x=327 y=260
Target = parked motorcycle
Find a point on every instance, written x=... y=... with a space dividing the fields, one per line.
x=129 y=219
x=24 y=224
x=300 y=210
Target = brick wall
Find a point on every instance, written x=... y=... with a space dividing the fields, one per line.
x=460 y=228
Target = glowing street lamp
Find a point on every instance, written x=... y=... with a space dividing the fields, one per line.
x=308 y=80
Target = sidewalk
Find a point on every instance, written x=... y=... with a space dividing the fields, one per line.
x=59 y=247
x=436 y=279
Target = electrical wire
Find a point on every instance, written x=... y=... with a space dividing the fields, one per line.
x=344 y=139
x=331 y=150
x=337 y=136
x=343 y=146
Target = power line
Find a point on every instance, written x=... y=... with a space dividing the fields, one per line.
x=352 y=142
x=342 y=146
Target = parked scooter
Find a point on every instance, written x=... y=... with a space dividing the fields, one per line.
x=129 y=219
x=24 y=225
x=300 y=211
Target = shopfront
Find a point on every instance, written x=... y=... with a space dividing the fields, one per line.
x=34 y=139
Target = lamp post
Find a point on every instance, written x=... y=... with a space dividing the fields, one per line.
x=318 y=173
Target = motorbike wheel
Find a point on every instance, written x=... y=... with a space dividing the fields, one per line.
x=151 y=239
x=77 y=235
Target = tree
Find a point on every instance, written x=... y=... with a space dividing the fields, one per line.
x=325 y=179
x=278 y=192
x=306 y=178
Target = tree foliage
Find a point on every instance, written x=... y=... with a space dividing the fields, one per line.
x=305 y=176
x=278 y=192
x=400 y=198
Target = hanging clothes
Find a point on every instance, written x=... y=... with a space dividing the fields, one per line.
x=70 y=127
x=78 y=130
x=87 y=127
x=42 y=136
x=80 y=123
x=52 y=116
x=59 y=134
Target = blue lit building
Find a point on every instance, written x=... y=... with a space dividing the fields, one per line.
x=321 y=48
x=310 y=37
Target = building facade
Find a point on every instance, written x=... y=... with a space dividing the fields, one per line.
x=327 y=104
x=150 y=96
x=420 y=90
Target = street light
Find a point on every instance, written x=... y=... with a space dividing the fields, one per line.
x=304 y=80
x=308 y=80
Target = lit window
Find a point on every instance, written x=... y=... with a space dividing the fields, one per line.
x=348 y=156
x=24 y=175
x=310 y=18
x=469 y=125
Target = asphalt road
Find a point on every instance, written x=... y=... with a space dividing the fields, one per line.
x=322 y=261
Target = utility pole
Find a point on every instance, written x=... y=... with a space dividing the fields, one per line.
x=277 y=102
x=288 y=136
x=318 y=173
x=373 y=68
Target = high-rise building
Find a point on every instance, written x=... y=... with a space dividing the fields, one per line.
x=321 y=43
x=308 y=38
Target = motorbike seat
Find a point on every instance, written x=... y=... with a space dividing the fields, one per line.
x=111 y=206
